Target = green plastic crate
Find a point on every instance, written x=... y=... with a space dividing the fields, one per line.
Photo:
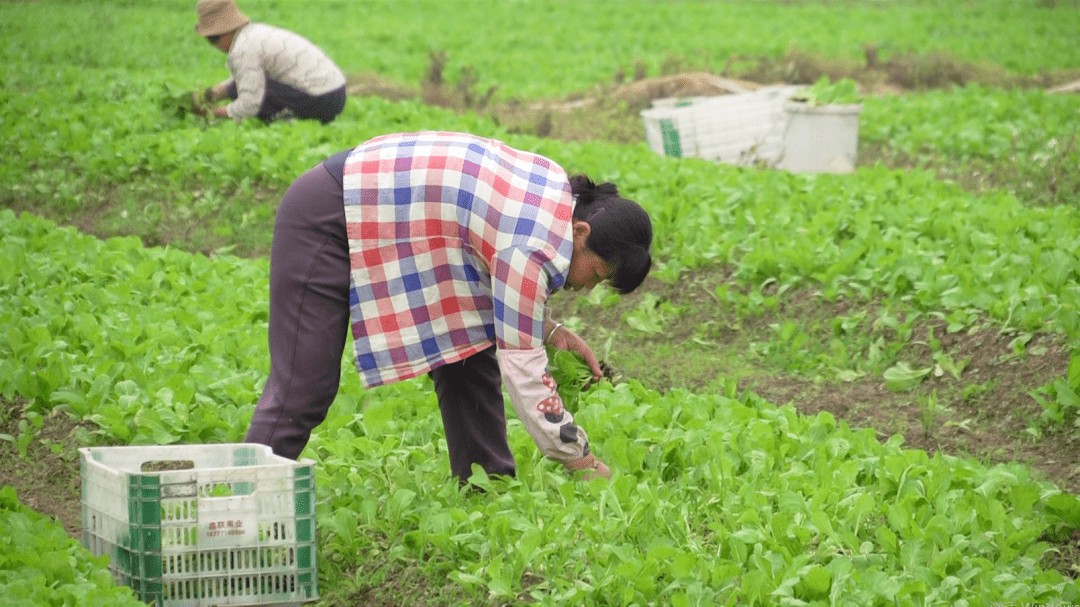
x=203 y=525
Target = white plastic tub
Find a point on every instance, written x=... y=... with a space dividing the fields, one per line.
x=820 y=139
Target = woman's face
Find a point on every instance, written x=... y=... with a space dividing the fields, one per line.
x=587 y=269
x=221 y=42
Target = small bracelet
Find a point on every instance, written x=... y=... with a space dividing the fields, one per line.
x=552 y=332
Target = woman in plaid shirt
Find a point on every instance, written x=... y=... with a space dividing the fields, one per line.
x=432 y=248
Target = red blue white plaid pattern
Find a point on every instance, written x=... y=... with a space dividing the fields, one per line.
x=456 y=242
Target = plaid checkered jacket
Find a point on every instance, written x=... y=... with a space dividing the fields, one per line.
x=455 y=242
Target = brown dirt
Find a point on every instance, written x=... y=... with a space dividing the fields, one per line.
x=46 y=477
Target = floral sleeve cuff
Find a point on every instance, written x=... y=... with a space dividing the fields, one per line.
x=538 y=406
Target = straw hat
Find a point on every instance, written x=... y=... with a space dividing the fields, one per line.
x=217 y=17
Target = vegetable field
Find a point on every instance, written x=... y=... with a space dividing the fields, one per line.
x=858 y=389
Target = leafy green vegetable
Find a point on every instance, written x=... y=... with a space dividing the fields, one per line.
x=901 y=377
x=717 y=500
x=177 y=104
x=816 y=583
x=1065 y=506
x=721 y=499
x=571 y=374
x=221 y=490
x=824 y=92
x=41 y=565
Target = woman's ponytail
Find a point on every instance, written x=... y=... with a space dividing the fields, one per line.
x=586 y=191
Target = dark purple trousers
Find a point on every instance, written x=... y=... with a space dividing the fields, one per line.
x=279 y=97
x=309 y=323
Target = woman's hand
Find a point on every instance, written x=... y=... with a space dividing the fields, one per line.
x=591 y=467
x=565 y=339
x=197 y=105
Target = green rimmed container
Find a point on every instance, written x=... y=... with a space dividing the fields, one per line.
x=203 y=525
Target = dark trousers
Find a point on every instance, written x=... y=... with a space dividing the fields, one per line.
x=471 y=401
x=280 y=97
x=308 y=327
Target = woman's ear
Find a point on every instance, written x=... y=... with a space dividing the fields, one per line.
x=581 y=231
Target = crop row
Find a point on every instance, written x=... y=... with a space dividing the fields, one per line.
x=717 y=498
x=903 y=235
x=532 y=49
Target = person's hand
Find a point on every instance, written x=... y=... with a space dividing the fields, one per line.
x=197 y=105
x=565 y=339
x=591 y=466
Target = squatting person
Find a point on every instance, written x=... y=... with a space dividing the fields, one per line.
x=275 y=73
x=439 y=251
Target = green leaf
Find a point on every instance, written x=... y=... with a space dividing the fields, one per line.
x=902 y=378
x=682 y=566
x=1073 y=371
x=816 y=583
x=1066 y=507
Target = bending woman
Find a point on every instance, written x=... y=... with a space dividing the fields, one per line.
x=439 y=251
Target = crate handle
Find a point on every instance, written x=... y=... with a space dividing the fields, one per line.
x=163 y=465
x=222 y=490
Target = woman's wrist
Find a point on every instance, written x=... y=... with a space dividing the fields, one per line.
x=552 y=332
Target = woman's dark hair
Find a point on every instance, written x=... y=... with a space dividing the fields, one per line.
x=620 y=231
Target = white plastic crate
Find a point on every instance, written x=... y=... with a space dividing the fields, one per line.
x=672 y=102
x=743 y=128
x=203 y=525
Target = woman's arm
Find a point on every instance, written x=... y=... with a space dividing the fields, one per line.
x=536 y=401
x=245 y=62
x=521 y=330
